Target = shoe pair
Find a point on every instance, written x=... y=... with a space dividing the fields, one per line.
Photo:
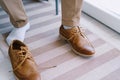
x=23 y=63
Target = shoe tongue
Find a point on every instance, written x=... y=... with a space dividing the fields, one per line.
x=23 y=48
x=75 y=29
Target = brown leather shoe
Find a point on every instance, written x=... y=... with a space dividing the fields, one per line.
x=79 y=42
x=22 y=61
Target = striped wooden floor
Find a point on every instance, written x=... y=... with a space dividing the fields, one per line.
x=49 y=50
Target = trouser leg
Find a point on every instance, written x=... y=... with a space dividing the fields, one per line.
x=16 y=12
x=71 y=11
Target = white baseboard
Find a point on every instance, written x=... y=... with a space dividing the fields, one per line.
x=104 y=15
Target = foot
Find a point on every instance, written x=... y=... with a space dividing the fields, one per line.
x=78 y=41
x=22 y=61
x=17 y=33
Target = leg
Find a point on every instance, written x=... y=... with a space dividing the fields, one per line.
x=70 y=31
x=16 y=12
x=71 y=10
x=18 y=18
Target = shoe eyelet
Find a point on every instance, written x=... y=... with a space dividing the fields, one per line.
x=24 y=53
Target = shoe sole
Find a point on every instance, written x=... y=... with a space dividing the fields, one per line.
x=16 y=78
x=76 y=52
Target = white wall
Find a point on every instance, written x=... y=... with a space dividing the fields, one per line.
x=106 y=11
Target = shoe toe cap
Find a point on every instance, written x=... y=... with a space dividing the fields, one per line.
x=84 y=50
x=34 y=77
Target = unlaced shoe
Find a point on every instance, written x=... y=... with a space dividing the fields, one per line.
x=22 y=61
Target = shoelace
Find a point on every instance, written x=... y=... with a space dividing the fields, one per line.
x=26 y=54
x=81 y=32
x=23 y=54
x=84 y=35
x=75 y=32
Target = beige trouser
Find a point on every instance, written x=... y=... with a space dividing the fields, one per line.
x=71 y=10
x=16 y=12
